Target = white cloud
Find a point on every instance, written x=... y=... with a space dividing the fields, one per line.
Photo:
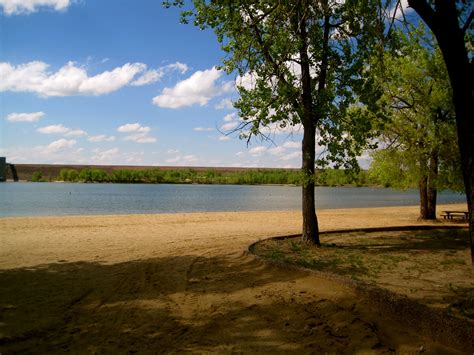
x=290 y=156
x=76 y=133
x=105 y=156
x=278 y=151
x=140 y=133
x=101 y=138
x=224 y=138
x=183 y=68
x=61 y=129
x=60 y=144
x=53 y=129
x=140 y=138
x=133 y=127
x=239 y=154
x=230 y=117
x=69 y=80
x=25 y=117
x=292 y=145
x=229 y=126
x=203 y=129
x=224 y=104
x=15 y=7
x=199 y=88
x=153 y=75
x=172 y=151
x=257 y=151
x=149 y=77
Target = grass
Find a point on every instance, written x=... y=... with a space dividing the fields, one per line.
x=430 y=266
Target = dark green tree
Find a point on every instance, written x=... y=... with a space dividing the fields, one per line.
x=421 y=133
x=451 y=23
x=299 y=63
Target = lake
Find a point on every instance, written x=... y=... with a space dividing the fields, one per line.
x=33 y=199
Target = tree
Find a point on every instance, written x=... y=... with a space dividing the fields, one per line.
x=451 y=23
x=421 y=132
x=299 y=63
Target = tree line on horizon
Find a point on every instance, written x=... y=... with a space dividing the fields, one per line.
x=327 y=177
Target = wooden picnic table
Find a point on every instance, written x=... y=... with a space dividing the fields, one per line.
x=455 y=214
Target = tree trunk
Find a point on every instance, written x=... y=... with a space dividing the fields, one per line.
x=432 y=189
x=310 y=220
x=443 y=21
x=423 y=188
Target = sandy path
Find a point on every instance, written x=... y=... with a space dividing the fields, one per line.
x=180 y=282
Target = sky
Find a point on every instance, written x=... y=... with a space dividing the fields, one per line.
x=120 y=82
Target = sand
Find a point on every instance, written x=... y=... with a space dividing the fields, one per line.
x=183 y=282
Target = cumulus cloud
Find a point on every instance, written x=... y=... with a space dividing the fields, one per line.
x=76 y=133
x=203 y=129
x=229 y=126
x=149 y=77
x=60 y=144
x=278 y=151
x=140 y=138
x=16 y=7
x=102 y=156
x=199 y=88
x=230 y=117
x=183 y=159
x=291 y=156
x=224 y=104
x=257 y=151
x=292 y=145
x=181 y=67
x=69 y=80
x=153 y=75
x=101 y=138
x=139 y=133
x=53 y=129
x=61 y=129
x=133 y=127
x=25 y=117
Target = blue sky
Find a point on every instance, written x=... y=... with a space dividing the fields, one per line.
x=119 y=82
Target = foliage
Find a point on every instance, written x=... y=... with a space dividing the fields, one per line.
x=37 y=176
x=326 y=177
x=420 y=137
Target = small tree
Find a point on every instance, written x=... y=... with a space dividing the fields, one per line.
x=421 y=132
x=299 y=63
x=451 y=23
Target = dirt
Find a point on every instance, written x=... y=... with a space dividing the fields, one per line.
x=182 y=282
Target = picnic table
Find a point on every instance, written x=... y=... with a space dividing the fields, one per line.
x=455 y=214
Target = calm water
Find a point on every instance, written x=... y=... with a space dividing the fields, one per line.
x=29 y=199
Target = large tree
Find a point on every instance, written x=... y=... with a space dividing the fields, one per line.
x=420 y=135
x=300 y=63
x=451 y=23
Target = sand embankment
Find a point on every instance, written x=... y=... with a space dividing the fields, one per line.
x=180 y=282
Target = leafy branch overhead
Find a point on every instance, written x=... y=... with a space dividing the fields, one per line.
x=273 y=46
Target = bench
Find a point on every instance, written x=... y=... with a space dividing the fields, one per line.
x=455 y=214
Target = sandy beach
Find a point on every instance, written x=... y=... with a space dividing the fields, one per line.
x=182 y=282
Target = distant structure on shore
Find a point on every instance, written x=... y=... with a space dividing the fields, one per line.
x=4 y=170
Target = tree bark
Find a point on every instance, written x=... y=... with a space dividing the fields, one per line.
x=443 y=22
x=310 y=220
x=423 y=189
x=432 y=188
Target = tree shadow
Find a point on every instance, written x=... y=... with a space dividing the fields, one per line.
x=422 y=240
